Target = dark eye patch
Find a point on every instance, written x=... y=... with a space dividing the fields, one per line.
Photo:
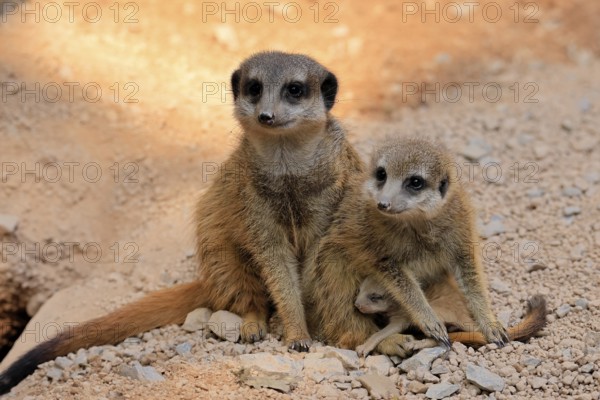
x=381 y=174
x=415 y=183
x=253 y=88
x=296 y=90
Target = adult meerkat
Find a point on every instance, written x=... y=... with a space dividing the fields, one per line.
x=258 y=222
x=449 y=305
x=409 y=224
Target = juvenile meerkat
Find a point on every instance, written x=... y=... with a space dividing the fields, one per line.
x=259 y=221
x=450 y=307
x=409 y=224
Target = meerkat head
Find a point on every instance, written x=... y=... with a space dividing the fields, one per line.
x=279 y=93
x=372 y=298
x=411 y=178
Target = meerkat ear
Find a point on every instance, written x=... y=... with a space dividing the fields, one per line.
x=235 y=83
x=329 y=89
x=444 y=187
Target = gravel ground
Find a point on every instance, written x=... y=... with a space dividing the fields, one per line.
x=543 y=234
x=530 y=160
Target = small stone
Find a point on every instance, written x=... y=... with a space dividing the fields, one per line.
x=535 y=193
x=537 y=383
x=540 y=151
x=349 y=358
x=81 y=358
x=570 y=211
x=183 y=348
x=583 y=303
x=226 y=325
x=270 y=363
x=416 y=387
x=378 y=364
x=587 y=368
x=584 y=105
x=8 y=224
x=328 y=391
x=272 y=380
x=475 y=150
x=493 y=228
x=484 y=379
x=359 y=393
x=63 y=362
x=569 y=366
x=428 y=377
x=568 y=379
x=440 y=369
x=197 y=319
x=567 y=125
x=571 y=192
x=441 y=390
x=343 y=385
x=379 y=386
x=54 y=374
x=536 y=266
x=504 y=317
x=325 y=367
x=563 y=310
x=507 y=371
x=499 y=286
x=109 y=355
x=137 y=371
x=422 y=359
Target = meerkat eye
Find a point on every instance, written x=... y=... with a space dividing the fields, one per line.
x=375 y=297
x=380 y=174
x=254 y=88
x=415 y=183
x=295 y=89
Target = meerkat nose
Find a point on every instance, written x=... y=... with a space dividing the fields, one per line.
x=266 y=118
x=383 y=205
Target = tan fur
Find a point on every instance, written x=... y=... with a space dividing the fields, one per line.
x=410 y=243
x=259 y=221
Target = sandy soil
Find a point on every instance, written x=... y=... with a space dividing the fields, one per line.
x=153 y=138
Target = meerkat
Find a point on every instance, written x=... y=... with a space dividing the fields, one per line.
x=408 y=223
x=259 y=221
x=450 y=307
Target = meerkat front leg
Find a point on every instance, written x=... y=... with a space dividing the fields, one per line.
x=404 y=288
x=280 y=271
x=470 y=279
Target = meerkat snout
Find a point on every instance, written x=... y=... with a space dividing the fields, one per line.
x=383 y=205
x=266 y=118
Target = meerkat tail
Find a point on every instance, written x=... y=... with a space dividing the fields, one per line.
x=535 y=319
x=163 y=307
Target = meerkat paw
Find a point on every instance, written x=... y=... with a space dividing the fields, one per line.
x=363 y=350
x=415 y=345
x=300 y=345
x=495 y=333
x=394 y=345
x=254 y=328
x=436 y=330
